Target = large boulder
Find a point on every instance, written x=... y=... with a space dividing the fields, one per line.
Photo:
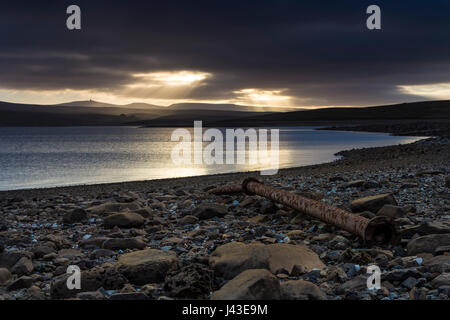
x=253 y=284
x=301 y=290
x=372 y=203
x=146 y=266
x=209 y=210
x=235 y=257
x=124 y=220
x=428 y=244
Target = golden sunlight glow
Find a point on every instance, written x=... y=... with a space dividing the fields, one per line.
x=177 y=78
x=435 y=91
x=61 y=96
x=257 y=97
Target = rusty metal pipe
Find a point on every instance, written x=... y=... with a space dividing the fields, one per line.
x=378 y=231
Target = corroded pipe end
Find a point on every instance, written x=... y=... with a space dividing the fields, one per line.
x=245 y=183
x=381 y=231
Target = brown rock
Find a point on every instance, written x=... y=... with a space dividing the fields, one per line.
x=70 y=254
x=258 y=219
x=188 y=220
x=296 y=234
x=354 y=184
x=100 y=253
x=372 y=203
x=253 y=284
x=23 y=267
x=428 y=243
x=20 y=283
x=124 y=220
x=146 y=213
x=233 y=258
x=301 y=290
x=357 y=283
x=41 y=251
x=146 y=266
x=93 y=242
x=441 y=280
x=438 y=264
x=209 y=210
x=123 y=244
x=434 y=227
x=74 y=216
x=10 y=258
x=192 y=281
x=5 y=276
x=389 y=210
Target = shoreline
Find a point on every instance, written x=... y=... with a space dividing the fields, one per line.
x=85 y=189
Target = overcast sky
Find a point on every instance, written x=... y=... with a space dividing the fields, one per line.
x=279 y=53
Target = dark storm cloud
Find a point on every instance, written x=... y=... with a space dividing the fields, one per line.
x=320 y=52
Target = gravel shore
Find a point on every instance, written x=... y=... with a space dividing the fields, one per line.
x=170 y=239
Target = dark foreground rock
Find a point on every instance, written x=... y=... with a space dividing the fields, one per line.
x=428 y=244
x=252 y=284
x=210 y=210
x=146 y=266
x=233 y=258
x=124 y=220
x=372 y=203
x=301 y=290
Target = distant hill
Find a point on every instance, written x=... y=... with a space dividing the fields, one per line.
x=177 y=106
x=403 y=111
x=97 y=104
x=94 y=113
x=227 y=107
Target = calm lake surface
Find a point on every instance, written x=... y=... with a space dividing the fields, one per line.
x=34 y=157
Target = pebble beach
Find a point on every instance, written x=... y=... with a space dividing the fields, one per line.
x=171 y=239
